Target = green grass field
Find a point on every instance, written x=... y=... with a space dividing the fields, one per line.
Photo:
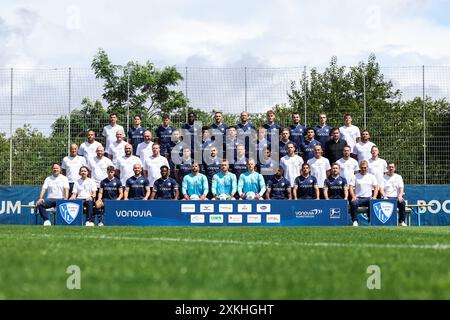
x=224 y=262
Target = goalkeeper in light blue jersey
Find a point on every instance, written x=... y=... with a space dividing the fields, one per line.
x=251 y=181
x=224 y=183
x=195 y=183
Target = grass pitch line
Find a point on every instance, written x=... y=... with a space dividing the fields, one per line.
x=437 y=246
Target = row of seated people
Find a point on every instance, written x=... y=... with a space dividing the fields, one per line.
x=224 y=186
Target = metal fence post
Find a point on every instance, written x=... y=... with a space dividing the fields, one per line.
x=245 y=88
x=128 y=103
x=11 y=130
x=305 y=89
x=186 y=90
x=365 y=100
x=70 y=111
x=424 y=128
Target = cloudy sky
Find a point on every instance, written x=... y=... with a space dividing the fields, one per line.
x=281 y=33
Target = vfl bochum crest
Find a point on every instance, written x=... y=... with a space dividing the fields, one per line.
x=69 y=211
x=383 y=210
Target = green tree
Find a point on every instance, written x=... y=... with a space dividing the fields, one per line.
x=142 y=87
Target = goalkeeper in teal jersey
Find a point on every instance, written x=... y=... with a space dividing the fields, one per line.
x=224 y=183
x=195 y=184
x=251 y=182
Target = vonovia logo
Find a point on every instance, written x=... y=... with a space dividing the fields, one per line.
x=383 y=210
x=308 y=213
x=335 y=213
x=263 y=207
x=69 y=211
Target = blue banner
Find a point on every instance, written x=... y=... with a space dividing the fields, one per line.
x=227 y=213
x=437 y=202
x=17 y=203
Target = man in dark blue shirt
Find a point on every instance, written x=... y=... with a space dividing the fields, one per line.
x=305 y=185
x=322 y=130
x=218 y=131
x=190 y=130
x=164 y=135
x=211 y=166
x=246 y=133
x=110 y=189
x=266 y=165
x=137 y=186
x=165 y=187
x=297 y=130
x=240 y=165
x=273 y=130
x=184 y=167
x=278 y=187
x=285 y=134
x=136 y=133
x=307 y=148
x=335 y=187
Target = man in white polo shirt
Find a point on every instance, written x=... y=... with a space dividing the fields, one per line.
x=349 y=166
x=126 y=163
x=320 y=168
x=117 y=148
x=88 y=149
x=392 y=188
x=363 y=148
x=349 y=132
x=57 y=188
x=71 y=165
x=361 y=190
x=377 y=166
x=291 y=164
x=109 y=131
x=98 y=165
x=144 y=149
x=153 y=164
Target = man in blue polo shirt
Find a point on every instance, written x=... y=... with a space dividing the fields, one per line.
x=251 y=181
x=322 y=130
x=273 y=130
x=110 y=189
x=305 y=185
x=307 y=148
x=164 y=135
x=211 y=165
x=195 y=183
x=297 y=130
x=224 y=182
x=335 y=187
x=136 y=133
x=246 y=132
x=218 y=131
x=137 y=186
x=165 y=187
x=278 y=187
